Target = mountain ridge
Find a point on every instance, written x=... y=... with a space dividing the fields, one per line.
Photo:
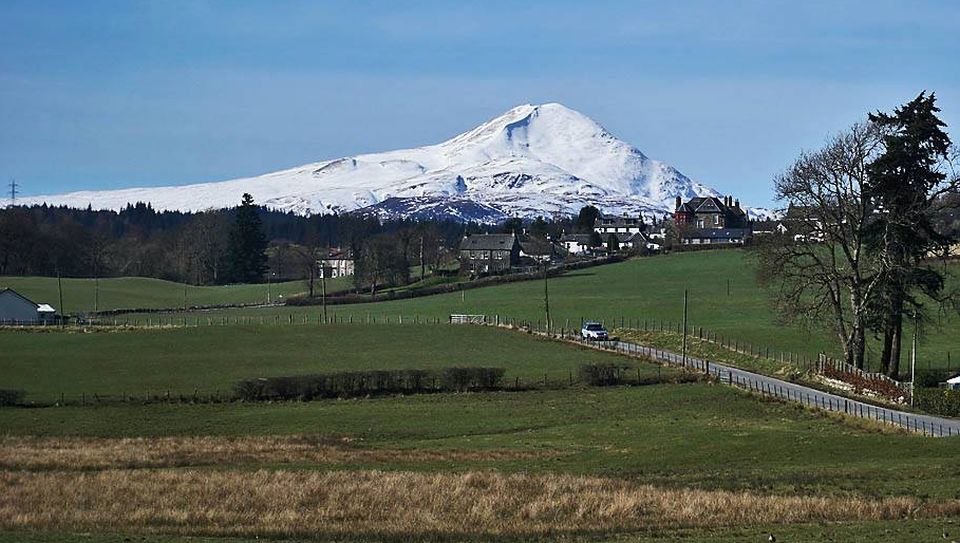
x=530 y=161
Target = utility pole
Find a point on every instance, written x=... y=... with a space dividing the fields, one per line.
x=323 y=290
x=96 y=293
x=60 y=291
x=913 y=360
x=269 y=275
x=546 y=294
x=684 y=346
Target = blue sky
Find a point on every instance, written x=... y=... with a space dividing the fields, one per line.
x=103 y=94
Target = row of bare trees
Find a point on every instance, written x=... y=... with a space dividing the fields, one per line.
x=870 y=215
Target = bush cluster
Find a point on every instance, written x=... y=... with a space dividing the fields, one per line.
x=10 y=397
x=364 y=383
x=938 y=401
x=601 y=375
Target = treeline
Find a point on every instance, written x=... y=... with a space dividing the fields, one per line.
x=191 y=247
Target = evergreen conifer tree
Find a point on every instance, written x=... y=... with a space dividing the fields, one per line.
x=246 y=250
x=904 y=182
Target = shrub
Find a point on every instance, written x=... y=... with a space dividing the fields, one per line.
x=10 y=397
x=938 y=401
x=461 y=379
x=932 y=378
x=601 y=375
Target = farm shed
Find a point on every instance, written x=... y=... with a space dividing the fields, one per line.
x=16 y=308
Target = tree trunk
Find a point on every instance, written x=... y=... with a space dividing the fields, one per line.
x=897 y=331
x=856 y=346
x=887 y=347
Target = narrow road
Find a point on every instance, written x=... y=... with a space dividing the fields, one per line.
x=770 y=386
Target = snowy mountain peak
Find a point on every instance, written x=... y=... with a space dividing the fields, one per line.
x=532 y=160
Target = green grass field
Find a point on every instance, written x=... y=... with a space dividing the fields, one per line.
x=673 y=436
x=691 y=435
x=79 y=295
x=643 y=289
x=209 y=359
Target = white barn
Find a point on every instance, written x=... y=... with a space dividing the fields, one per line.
x=16 y=308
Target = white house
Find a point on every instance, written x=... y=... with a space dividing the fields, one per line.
x=16 y=308
x=609 y=224
x=576 y=244
x=339 y=263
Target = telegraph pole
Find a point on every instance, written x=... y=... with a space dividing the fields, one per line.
x=546 y=295
x=913 y=360
x=60 y=291
x=323 y=290
x=684 y=346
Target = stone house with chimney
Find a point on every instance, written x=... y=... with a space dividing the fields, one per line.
x=489 y=253
x=711 y=221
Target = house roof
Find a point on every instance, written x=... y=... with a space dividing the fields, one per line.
x=621 y=221
x=534 y=246
x=40 y=307
x=578 y=238
x=488 y=242
x=765 y=226
x=709 y=204
x=801 y=213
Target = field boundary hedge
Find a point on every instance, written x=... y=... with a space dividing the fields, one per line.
x=366 y=383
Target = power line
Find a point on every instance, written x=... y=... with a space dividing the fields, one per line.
x=13 y=191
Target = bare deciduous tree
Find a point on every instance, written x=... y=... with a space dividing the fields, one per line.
x=827 y=275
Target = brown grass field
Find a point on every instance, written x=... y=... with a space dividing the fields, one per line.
x=377 y=504
x=75 y=453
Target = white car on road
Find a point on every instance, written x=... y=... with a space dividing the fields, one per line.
x=594 y=330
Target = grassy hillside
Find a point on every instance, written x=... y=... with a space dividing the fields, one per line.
x=146 y=293
x=723 y=297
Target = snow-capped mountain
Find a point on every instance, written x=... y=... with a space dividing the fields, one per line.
x=532 y=160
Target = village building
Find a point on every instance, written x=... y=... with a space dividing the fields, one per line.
x=612 y=224
x=711 y=221
x=577 y=244
x=804 y=222
x=489 y=253
x=710 y=212
x=339 y=263
x=717 y=236
x=16 y=308
x=538 y=250
x=763 y=228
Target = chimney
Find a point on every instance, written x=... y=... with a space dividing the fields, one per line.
x=679 y=202
x=736 y=203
